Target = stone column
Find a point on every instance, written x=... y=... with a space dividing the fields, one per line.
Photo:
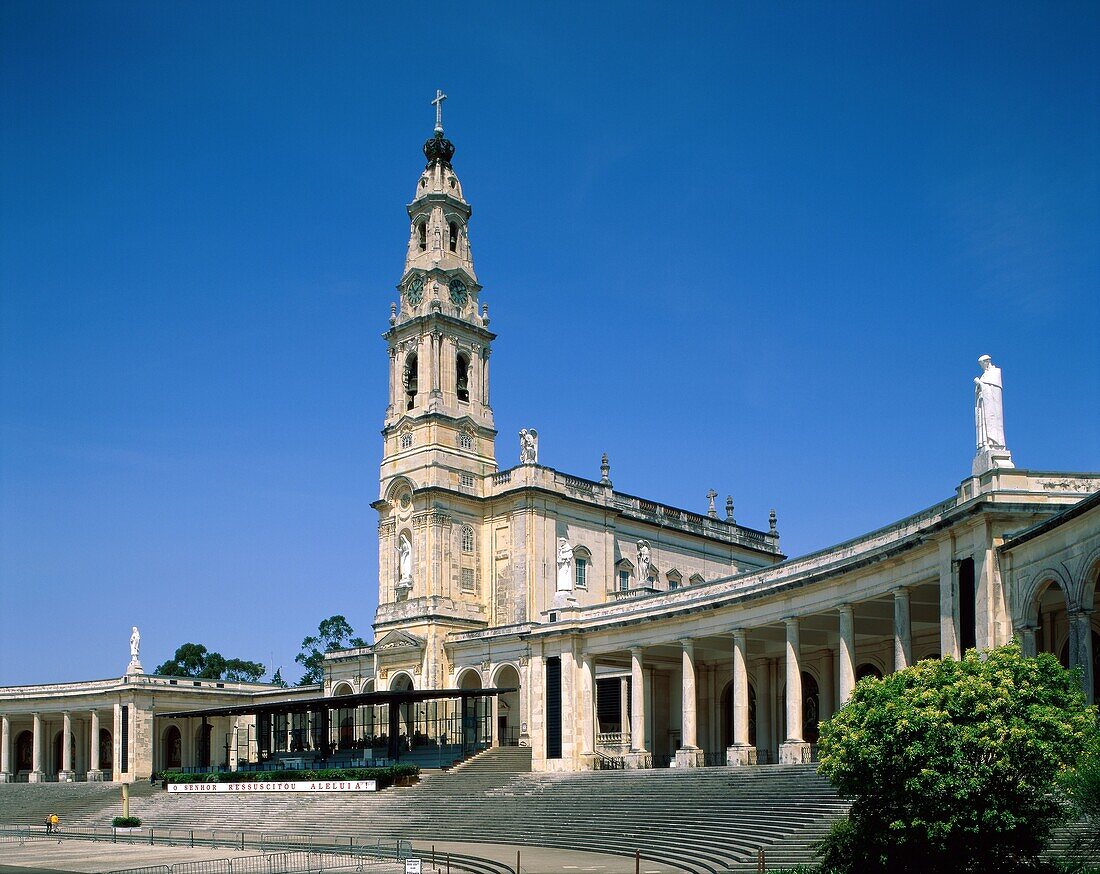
x=588 y=707
x=624 y=706
x=1080 y=648
x=95 y=774
x=949 y=600
x=903 y=631
x=5 y=749
x=741 y=753
x=847 y=653
x=764 y=709
x=1026 y=633
x=689 y=755
x=37 y=775
x=485 y=376
x=828 y=687
x=794 y=750
x=66 y=774
x=393 y=383
x=638 y=757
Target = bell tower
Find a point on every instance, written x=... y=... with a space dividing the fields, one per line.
x=439 y=427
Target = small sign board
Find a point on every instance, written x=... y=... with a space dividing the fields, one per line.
x=278 y=786
x=412 y=866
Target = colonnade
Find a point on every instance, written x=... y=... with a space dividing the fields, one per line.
x=793 y=746
x=65 y=768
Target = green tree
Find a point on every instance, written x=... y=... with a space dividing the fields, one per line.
x=332 y=634
x=195 y=660
x=1082 y=785
x=278 y=680
x=950 y=764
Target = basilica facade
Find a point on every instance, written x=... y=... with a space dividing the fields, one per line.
x=606 y=629
x=640 y=633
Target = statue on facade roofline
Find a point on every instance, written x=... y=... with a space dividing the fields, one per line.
x=989 y=420
x=989 y=417
x=135 y=644
x=528 y=446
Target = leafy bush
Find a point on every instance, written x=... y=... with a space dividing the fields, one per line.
x=1082 y=785
x=126 y=821
x=950 y=764
x=385 y=776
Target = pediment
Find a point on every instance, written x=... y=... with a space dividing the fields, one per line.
x=398 y=641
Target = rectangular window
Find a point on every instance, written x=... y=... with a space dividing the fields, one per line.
x=553 y=707
x=467 y=579
x=467 y=480
x=582 y=573
x=124 y=741
x=624 y=581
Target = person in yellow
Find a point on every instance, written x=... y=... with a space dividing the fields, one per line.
x=51 y=823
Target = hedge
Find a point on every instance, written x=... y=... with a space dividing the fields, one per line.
x=126 y=822
x=384 y=776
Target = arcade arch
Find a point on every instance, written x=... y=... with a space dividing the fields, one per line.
x=508 y=723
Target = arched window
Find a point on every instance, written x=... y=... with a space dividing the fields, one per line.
x=624 y=570
x=462 y=380
x=453 y=240
x=582 y=561
x=422 y=235
x=412 y=380
x=467 y=538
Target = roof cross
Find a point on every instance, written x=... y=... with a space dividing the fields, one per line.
x=438 y=103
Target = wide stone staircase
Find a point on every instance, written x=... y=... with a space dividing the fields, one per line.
x=698 y=820
x=707 y=819
x=28 y=804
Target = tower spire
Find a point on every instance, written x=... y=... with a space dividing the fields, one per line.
x=438 y=103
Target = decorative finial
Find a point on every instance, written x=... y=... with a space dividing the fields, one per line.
x=438 y=103
x=771 y=523
x=711 y=495
x=605 y=471
x=729 y=509
x=439 y=148
x=393 y=314
x=485 y=314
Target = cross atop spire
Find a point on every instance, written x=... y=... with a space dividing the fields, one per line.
x=438 y=103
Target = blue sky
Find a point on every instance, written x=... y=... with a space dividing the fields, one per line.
x=754 y=247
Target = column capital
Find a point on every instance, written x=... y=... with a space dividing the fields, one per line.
x=740 y=634
x=790 y=622
x=1079 y=614
x=846 y=608
x=686 y=642
x=898 y=591
x=636 y=651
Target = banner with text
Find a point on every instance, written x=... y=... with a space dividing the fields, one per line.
x=279 y=786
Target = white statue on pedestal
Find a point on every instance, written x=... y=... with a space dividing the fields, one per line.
x=989 y=422
x=528 y=446
x=404 y=561
x=135 y=644
x=645 y=564
x=565 y=565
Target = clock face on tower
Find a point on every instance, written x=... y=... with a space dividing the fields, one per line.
x=458 y=292
x=414 y=291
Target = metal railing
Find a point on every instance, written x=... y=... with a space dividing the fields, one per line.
x=299 y=862
x=608 y=763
